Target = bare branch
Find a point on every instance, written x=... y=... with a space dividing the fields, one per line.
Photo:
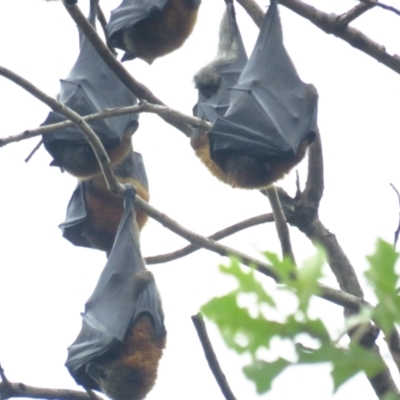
x=280 y=223
x=382 y=5
x=144 y=106
x=354 y=13
x=103 y=23
x=254 y=10
x=9 y=390
x=329 y=24
x=211 y=357
x=138 y=89
x=163 y=258
x=34 y=150
x=397 y=232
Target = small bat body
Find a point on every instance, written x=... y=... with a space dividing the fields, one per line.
x=271 y=117
x=94 y=213
x=149 y=29
x=123 y=332
x=213 y=83
x=91 y=87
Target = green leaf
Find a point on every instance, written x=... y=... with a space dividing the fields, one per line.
x=285 y=268
x=307 y=278
x=263 y=373
x=247 y=282
x=349 y=362
x=383 y=278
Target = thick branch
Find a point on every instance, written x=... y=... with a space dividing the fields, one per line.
x=163 y=258
x=144 y=106
x=332 y=24
x=211 y=357
x=354 y=13
x=138 y=89
x=329 y=24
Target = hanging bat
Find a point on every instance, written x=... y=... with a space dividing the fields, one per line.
x=149 y=29
x=91 y=87
x=213 y=83
x=271 y=117
x=123 y=332
x=93 y=212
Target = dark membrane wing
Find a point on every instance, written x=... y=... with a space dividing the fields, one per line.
x=210 y=107
x=92 y=87
x=127 y=14
x=115 y=302
x=269 y=102
x=73 y=226
x=76 y=226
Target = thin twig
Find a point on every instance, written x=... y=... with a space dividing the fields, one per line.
x=354 y=13
x=9 y=390
x=163 y=258
x=144 y=106
x=382 y=5
x=35 y=149
x=211 y=357
x=280 y=223
x=137 y=88
x=397 y=232
x=103 y=23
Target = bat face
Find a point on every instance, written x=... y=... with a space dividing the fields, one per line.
x=271 y=117
x=94 y=213
x=148 y=29
x=91 y=87
x=214 y=80
x=123 y=331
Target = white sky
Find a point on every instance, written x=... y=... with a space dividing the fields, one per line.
x=45 y=281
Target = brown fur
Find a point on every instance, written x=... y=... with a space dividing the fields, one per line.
x=133 y=372
x=244 y=171
x=160 y=33
x=80 y=160
x=104 y=211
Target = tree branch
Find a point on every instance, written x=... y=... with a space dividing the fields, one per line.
x=381 y=5
x=163 y=258
x=332 y=24
x=280 y=223
x=211 y=357
x=9 y=390
x=144 y=106
x=354 y=13
x=137 y=88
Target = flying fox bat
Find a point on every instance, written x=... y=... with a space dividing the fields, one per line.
x=91 y=87
x=271 y=117
x=149 y=29
x=123 y=334
x=213 y=83
x=93 y=212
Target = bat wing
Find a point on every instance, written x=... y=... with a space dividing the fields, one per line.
x=77 y=227
x=210 y=107
x=73 y=226
x=271 y=110
x=128 y=13
x=92 y=87
x=120 y=297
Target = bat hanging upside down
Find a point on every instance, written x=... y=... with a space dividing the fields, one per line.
x=123 y=335
x=270 y=118
x=152 y=28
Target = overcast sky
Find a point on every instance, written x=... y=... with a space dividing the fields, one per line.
x=45 y=281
